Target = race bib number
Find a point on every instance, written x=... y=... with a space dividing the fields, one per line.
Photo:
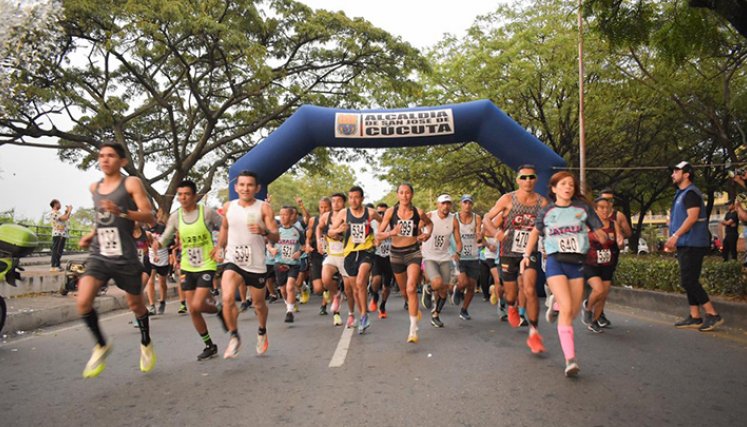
x=358 y=233
x=385 y=247
x=141 y=254
x=604 y=256
x=242 y=255
x=336 y=247
x=521 y=238
x=568 y=244
x=196 y=258
x=286 y=252
x=466 y=249
x=110 y=245
x=439 y=242
x=408 y=227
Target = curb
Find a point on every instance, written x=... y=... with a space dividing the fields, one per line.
x=734 y=313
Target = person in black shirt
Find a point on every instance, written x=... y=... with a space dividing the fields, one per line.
x=731 y=234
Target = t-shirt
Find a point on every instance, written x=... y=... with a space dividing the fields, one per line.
x=59 y=227
x=565 y=228
x=731 y=231
x=692 y=200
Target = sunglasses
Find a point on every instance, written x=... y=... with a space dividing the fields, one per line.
x=381 y=212
x=525 y=177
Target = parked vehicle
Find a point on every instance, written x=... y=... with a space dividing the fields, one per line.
x=16 y=242
x=642 y=247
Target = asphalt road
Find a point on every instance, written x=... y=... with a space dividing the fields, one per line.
x=642 y=372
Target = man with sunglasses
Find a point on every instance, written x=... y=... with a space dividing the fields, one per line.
x=382 y=275
x=518 y=211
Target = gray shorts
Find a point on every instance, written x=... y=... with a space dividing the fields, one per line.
x=440 y=269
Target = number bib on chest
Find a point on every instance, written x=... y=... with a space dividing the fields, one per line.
x=358 y=233
x=568 y=244
x=110 y=244
x=439 y=242
x=408 y=227
x=385 y=247
x=196 y=257
x=286 y=252
x=242 y=255
x=521 y=237
x=604 y=256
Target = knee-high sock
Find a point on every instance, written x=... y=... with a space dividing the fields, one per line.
x=565 y=333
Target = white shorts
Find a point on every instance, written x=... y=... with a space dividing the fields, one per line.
x=337 y=262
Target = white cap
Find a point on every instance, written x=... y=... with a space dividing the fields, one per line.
x=444 y=198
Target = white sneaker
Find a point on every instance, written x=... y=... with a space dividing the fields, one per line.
x=571 y=368
x=232 y=350
x=97 y=362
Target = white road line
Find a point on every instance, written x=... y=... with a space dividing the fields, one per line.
x=338 y=359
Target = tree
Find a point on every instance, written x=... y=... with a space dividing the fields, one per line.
x=189 y=86
x=310 y=186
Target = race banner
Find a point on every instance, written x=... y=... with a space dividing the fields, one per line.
x=402 y=124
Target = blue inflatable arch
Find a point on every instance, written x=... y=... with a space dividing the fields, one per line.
x=478 y=121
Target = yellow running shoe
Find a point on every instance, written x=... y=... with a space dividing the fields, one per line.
x=413 y=338
x=493 y=296
x=147 y=357
x=325 y=298
x=337 y=319
x=305 y=294
x=295 y=308
x=97 y=362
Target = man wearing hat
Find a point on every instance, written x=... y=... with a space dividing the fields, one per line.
x=689 y=235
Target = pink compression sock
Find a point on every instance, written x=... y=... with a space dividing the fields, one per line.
x=565 y=333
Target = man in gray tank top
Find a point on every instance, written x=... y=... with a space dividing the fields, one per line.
x=119 y=201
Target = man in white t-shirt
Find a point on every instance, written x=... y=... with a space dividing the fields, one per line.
x=59 y=220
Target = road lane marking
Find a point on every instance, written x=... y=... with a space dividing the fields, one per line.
x=338 y=359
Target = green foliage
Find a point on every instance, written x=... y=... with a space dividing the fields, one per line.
x=310 y=187
x=661 y=273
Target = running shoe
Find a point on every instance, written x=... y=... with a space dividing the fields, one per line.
x=412 y=338
x=295 y=308
x=351 y=323
x=215 y=292
x=364 y=324
x=147 y=357
x=152 y=310
x=550 y=314
x=587 y=314
x=305 y=294
x=337 y=319
x=262 y=343
x=208 y=353
x=274 y=298
x=594 y=327
x=244 y=306
x=711 y=322
x=222 y=319
x=604 y=322
x=407 y=306
x=323 y=310
x=232 y=350
x=571 y=368
x=162 y=307
x=336 y=303
x=289 y=317
x=325 y=297
x=457 y=296
x=425 y=298
x=464 y=315
x=513 y=317
x=523 y=322
x=689 y=322
x=382 y=314
x=436 y=321
x=182 y=308
x=493 y=296
x=534 y=342
x=372 y=306
x=97 y=362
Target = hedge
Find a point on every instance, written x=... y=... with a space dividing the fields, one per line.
x=661 y=273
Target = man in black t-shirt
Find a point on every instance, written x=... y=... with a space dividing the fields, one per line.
x=731 y=234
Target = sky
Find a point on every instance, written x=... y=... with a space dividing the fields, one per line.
x=31 y=177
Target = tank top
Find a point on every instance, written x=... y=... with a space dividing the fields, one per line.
x=163 y=253
x=245 y=249
x=291 y=239
x=603 y=254
x=113 y=240
x=359 y=235
x=334 y=247
x=487 y=253
x=385 y=246
x=197 y=243
x=141 y=245
x=410 y=227
x=436 y=248
x=517 y=225
x=469 y=239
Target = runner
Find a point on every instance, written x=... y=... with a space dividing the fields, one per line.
x=565 y=225
x=405 y=253
x=245 y=223
x=287 y=263
x=600 y=265
x=303 y=269
x=437 y=258
x=519 y=210
x=382 y=268
x=470 y=227
x=354 y=224
x=624 y=232
x=194 y=223
x=334 y=263
x=158 y=267
x=315 y=249
x=119 y=201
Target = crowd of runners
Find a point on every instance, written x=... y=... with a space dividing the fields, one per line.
x=244 y=256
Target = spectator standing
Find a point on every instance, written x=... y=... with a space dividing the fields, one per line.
x=731 y=234
x=59 y=220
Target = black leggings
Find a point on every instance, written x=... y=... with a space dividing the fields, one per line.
x=690 y=260
x=486 y=279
